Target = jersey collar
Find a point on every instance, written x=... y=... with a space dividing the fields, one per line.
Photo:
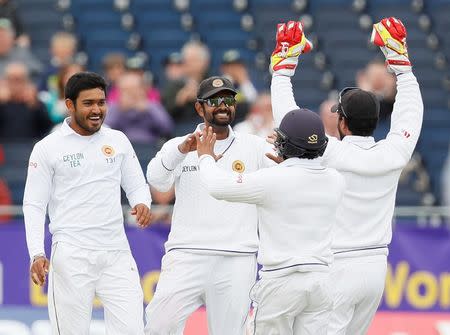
x=67 y=130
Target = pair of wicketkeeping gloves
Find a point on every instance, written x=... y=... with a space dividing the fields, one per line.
x=389 y=34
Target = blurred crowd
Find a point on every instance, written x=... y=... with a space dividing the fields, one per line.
x=32 y=92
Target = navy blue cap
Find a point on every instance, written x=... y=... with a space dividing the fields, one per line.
x=304 y=129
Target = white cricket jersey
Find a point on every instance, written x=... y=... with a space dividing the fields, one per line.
x=371 y=169
x=199 y=221
x=296 y=202
x=79 y=178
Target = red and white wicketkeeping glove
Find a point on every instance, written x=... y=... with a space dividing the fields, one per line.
x=291 y=43
x=390 y=35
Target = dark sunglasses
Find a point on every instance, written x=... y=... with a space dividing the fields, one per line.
x=340 y=108
x=216 y=102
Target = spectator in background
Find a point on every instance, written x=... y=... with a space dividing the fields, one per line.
x=180 y=95
x=173 y=67
x=374 y=78
x=63 y=47
x=329 y=119
x=22 y=114
x=9 y=53
x=8 y=10
x=137 y=65
x=234 y=68
x=142 y=120
x=259 y=120
x=54 y=98
x=113 y=68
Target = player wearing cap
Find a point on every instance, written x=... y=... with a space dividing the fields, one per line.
x=210 y=254
x=78 y=171
x=371 y=169
x=296 y=202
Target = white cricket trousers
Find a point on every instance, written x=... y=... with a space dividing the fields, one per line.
x=189 y=280
x=76 y=275
x=357 y=286
x=298 y=303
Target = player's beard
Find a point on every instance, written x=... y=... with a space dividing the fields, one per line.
x=90 y=126
x=216 y=121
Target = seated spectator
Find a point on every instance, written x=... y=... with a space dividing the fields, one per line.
x=329 y=119
x=376 y=79
x=54 y=98
x=9 y=53
x=8 y=10
x=63 y=47
x=22 y=114
x=259 y=120
x=173 y=67
x=137 y=65
x=179 y=95
x=233 y=67
x=142 y=120
x=113 y=68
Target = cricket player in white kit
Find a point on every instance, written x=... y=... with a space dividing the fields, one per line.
x=211 y=251
x=297 y=202
x=78 y=171
x=371 y=171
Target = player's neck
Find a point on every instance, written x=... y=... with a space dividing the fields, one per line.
x=221 y=132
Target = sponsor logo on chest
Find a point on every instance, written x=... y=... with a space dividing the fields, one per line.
x=73 y=160
x=189 y=168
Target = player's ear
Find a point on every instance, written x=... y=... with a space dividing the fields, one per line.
x=70 y=105
x=199 y=109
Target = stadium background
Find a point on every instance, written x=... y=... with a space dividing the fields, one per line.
x=417 y=297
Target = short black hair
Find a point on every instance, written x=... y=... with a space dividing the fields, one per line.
x=360 y=127
x=82 y=81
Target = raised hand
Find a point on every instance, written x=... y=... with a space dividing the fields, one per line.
x=390 y=35
x=291 y=43
x=205 y=143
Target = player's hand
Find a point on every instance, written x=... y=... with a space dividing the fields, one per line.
x=271 y=140
x=390 y=35
x=189 y=144
x=205 y=143
x=39 y=270
x=143 y=215
x=291 y=43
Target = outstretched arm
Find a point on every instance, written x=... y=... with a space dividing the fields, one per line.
x=406 y=120
x=291 y=42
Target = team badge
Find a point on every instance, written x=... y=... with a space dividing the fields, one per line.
x=217 y=83
x=108 y=150
x=312 y=139
x=238 y=166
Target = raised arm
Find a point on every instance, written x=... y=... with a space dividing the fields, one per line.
x=291 y=42
x=406 y=119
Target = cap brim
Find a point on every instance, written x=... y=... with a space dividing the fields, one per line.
x=217 y=90
x=334 y=108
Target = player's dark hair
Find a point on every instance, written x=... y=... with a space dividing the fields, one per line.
x=361 y=127
x=82 y=81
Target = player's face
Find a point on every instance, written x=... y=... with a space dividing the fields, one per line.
x=88 y=112
x=221 y=115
